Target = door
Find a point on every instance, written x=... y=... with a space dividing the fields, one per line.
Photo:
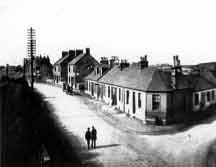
x=114 y=96
x=98 y=90
x=202 y=104
x=134 y=103
x=92 y=89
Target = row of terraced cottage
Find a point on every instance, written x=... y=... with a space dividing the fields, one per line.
x=149 y=93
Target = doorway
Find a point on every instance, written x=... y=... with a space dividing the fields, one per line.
x=134 y=103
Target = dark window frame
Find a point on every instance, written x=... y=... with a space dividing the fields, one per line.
x=156 y=102
x=213 y=95
x=139 y=100
x=119 y=94
x=208 y=96
x=127 y=96
x=108 y=91
x=196 y=99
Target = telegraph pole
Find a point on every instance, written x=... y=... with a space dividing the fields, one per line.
x=31 y=51
x=7 y=70
x=24 y=68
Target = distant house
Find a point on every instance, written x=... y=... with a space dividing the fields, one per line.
x=42 y=68
x=60 y=71
x=210 y=66
x=204 y=90
x=11 y=71
x=79 y=67
x=91 y=81
x=150 y=93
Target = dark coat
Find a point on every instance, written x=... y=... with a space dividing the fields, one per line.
x=94 y=134
x=88 y=135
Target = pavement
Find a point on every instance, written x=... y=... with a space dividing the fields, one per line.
x=127 y=123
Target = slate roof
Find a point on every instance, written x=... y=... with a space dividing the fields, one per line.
x=200 y=83
x=147 y=79
x=204 y=81
x=76 y=59
x=61 y=60
x=79 y=57
x=209 y=75
x=92 y=76
x=153 y=79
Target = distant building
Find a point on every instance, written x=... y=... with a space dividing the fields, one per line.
x=92 y=85
x=152 y=94
x=210 y=66
x=79 y=67
x=42 y=68
x=60 y=71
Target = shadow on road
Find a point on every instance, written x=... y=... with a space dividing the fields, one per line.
x=30 y=123
x=106 y=146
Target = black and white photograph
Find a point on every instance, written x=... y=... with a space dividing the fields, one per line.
x=108 y=83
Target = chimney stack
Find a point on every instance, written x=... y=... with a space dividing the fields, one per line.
x=72 y=53
x=123 y=64
x=113 y=61
x=174 y=61
x=176 y=71
x=104 y=60
x=143 y=62
x=78 y=52
x=87 y=51
x=64 y=53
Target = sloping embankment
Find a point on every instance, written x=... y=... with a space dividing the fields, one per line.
x=27 y=124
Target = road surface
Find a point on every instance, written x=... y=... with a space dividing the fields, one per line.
x=121 y=148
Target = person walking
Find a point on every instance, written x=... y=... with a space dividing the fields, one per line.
x=93 y=137
x=88 y=137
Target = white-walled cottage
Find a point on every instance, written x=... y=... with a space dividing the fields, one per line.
x=151 y=94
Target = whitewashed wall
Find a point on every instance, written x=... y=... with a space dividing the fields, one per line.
x=207 y=103
x=128 y=108
x=163 y=102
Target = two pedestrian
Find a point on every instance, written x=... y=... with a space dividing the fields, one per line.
x=91 y=137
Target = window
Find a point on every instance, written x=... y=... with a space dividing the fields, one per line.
x=98 y=71
x=208 y=96
x=108 y=91
x=119 y=94
x=104 y=90
x=196 y=100
x=139 y=100
x=155 y=102
x=89 y=85
x=127 y=96
x=213 y=95
x=68 y=68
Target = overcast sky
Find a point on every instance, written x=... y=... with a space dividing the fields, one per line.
x=125 y=28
